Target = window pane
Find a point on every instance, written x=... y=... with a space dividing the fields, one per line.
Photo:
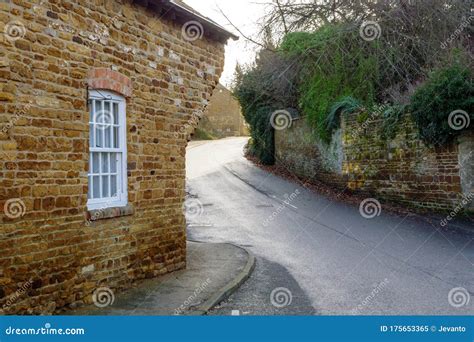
x=108 y=137
x=115 y=111
x=107 y=113
x=99 y=133
x=99 y=119
x=105 y=163
x=89 y=191
x=90 y=164
x=113 y=186
x=90 y=104
x=96 y=186
x=107 y=118
x=91 y=135
x=113 y=163
x=98 y=110
x=105 y=186
x=116 y=137
x=95 y=163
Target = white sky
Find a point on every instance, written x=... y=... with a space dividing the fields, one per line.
x=244 y=14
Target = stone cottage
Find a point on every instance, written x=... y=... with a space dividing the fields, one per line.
x=223 y=117
x=96 y=98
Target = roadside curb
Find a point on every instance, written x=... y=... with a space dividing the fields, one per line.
x=196 y=143
x=230 y=287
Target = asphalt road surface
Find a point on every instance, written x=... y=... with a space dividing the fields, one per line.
x=318 y=256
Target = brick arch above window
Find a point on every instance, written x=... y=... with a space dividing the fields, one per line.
x=107 y=79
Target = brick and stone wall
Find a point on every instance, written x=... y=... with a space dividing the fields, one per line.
x=52 y=256
x=223 y=117
x=297 y=149
x=402 y=169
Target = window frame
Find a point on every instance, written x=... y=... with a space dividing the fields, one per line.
x=122 y=190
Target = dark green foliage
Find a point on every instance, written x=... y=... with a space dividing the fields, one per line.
x=299 y=43
x=255 y=102
x=346 y=105
x=336 y=64
x=446 y=90
x=268 y=86
x=391 y=121
x=262 y=133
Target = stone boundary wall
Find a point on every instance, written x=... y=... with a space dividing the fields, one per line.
x=297 y=150
x=401 y=170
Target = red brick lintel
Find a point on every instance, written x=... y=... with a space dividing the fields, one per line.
x=107 y=79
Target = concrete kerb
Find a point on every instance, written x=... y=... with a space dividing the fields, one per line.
x=224 y=292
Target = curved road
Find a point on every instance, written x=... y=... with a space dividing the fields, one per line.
x=317 y=256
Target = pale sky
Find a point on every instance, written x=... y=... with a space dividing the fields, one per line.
x=244 y=14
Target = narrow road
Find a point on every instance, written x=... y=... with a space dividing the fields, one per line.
x=317 y=256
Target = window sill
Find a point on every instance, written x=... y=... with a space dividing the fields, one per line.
x=108 y=213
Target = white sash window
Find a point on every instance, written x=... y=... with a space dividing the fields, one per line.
x=107 y=151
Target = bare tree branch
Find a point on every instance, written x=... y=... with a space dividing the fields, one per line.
x=241 y=33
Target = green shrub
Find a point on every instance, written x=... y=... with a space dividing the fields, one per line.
x=261 y=89
x=256 y=101
x=345 y=105
x=262 y=143
x=336 y=65
x=446 y=90
x=392 y=117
